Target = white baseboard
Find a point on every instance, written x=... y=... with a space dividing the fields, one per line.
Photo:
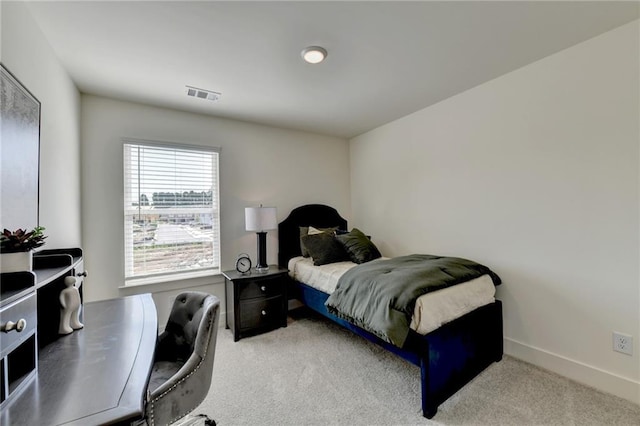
x=574 y=370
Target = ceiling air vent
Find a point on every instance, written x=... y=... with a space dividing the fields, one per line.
x=203 y=94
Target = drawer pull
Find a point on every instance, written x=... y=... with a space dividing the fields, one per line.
x=264 y=312
x=263 y=288
x=82 y=274
x=17 y=326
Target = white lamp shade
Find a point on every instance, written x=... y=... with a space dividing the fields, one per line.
x=260 y=218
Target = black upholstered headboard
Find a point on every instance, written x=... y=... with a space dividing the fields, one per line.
x=316 y=215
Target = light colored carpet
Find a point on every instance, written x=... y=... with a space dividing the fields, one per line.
x=313 y=372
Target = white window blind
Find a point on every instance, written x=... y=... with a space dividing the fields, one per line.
x=171 y=210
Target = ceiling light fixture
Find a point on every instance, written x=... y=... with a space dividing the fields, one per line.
x=314 y=54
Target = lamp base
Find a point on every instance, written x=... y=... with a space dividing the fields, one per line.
x=262 y=266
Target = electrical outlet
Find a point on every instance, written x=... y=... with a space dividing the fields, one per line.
x=622 y=343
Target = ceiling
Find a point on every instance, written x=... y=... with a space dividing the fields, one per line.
x=386 y=59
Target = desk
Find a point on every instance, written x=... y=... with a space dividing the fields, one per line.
x=95 y=375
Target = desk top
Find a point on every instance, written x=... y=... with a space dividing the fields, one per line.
x=95 y=375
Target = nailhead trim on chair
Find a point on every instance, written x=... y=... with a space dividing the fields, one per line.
x=174 y=386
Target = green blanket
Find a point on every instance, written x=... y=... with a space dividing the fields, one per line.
x=380 y=296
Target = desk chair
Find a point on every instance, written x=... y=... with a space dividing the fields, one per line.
x=183 y=363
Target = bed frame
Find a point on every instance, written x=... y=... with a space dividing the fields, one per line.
x=449 y=357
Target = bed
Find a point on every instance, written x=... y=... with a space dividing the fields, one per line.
x=449 y=356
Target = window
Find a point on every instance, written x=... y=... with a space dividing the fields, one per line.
x=171 y=211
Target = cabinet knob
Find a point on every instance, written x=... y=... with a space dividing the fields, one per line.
x=263 y=288
x=17 y=326
x=83 y=274
x=264 y=312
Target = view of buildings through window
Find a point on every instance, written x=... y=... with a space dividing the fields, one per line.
x=171 y=209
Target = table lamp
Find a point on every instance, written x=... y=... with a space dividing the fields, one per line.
x=261 y=219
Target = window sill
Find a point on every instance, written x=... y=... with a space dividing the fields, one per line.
x=173 y=278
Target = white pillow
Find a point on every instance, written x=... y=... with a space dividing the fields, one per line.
x=313 y=231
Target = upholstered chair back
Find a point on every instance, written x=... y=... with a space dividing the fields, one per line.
x=183 y=366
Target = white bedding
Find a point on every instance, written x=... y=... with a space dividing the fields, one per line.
x=432 y=309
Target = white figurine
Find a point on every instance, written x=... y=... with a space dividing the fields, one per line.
x=69 y=307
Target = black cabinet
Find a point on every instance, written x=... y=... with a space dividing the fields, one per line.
x=18 y=353
x=256 y=302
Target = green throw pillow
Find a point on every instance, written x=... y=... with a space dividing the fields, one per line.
x=358 y=246
x=304 y=230
x=324 y=248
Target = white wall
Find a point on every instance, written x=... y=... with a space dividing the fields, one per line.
x=258 y=164
x=536 y=175
x=27 y=54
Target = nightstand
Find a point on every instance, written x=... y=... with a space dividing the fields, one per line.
x=256 y=301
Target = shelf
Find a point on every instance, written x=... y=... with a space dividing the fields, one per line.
x=22 y=364
x=50 y=265
x=16 y=285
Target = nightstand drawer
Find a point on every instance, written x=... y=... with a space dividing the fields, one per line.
x=260 y=313
x=268 y=287
x=24 y=309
